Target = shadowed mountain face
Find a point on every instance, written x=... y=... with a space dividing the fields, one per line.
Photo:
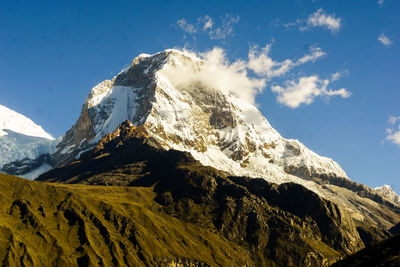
x=385 y=253
x=284 y=225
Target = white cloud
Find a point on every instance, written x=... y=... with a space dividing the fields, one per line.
x=305 y=90
x=393 y=119
x=321 y=19
x=216 y=72
x=206 y=24
x=186 y=27
x=380 y=3
x=336 y=76
x=385 y=40
x=316 y=53
x=226 y=29
x=393 y=134
x=262 y=64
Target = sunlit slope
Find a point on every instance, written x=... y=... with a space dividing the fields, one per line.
x=62 y=225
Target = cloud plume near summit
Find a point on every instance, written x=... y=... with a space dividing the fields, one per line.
x=247 y=78
x=216 y=72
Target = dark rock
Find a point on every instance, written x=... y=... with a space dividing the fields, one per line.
x=395 y=230
x=385 y=253
x=25 y=165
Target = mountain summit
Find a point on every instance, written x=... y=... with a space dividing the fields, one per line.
x=217 y=127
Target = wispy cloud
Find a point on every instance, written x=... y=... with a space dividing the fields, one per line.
x=293 y=93
x=381 y=2
x=319 y=18
x=385 y=40
x=393 y=133
x=225 y=30
x=261 y=63
x=207 y=25
x=185 y=26
x=305 y=90
x=207 y=22
x=247 y=78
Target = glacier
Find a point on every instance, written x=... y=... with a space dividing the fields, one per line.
x=21 y=138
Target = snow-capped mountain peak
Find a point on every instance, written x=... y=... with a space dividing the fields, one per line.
x=18 y=123
x=170 y=93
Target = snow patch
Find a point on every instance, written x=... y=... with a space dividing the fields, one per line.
x=387 y=192
x=11 y=120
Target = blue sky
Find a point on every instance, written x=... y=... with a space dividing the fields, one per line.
x=53 y=52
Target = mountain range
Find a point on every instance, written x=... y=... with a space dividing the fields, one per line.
x=207 y=157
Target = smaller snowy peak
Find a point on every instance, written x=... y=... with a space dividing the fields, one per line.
x=387 y=192
x=21 y=138
x=13 y=121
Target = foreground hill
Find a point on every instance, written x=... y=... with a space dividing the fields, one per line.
x=63 y=225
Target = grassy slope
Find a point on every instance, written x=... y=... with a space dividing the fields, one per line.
x=45 y=224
